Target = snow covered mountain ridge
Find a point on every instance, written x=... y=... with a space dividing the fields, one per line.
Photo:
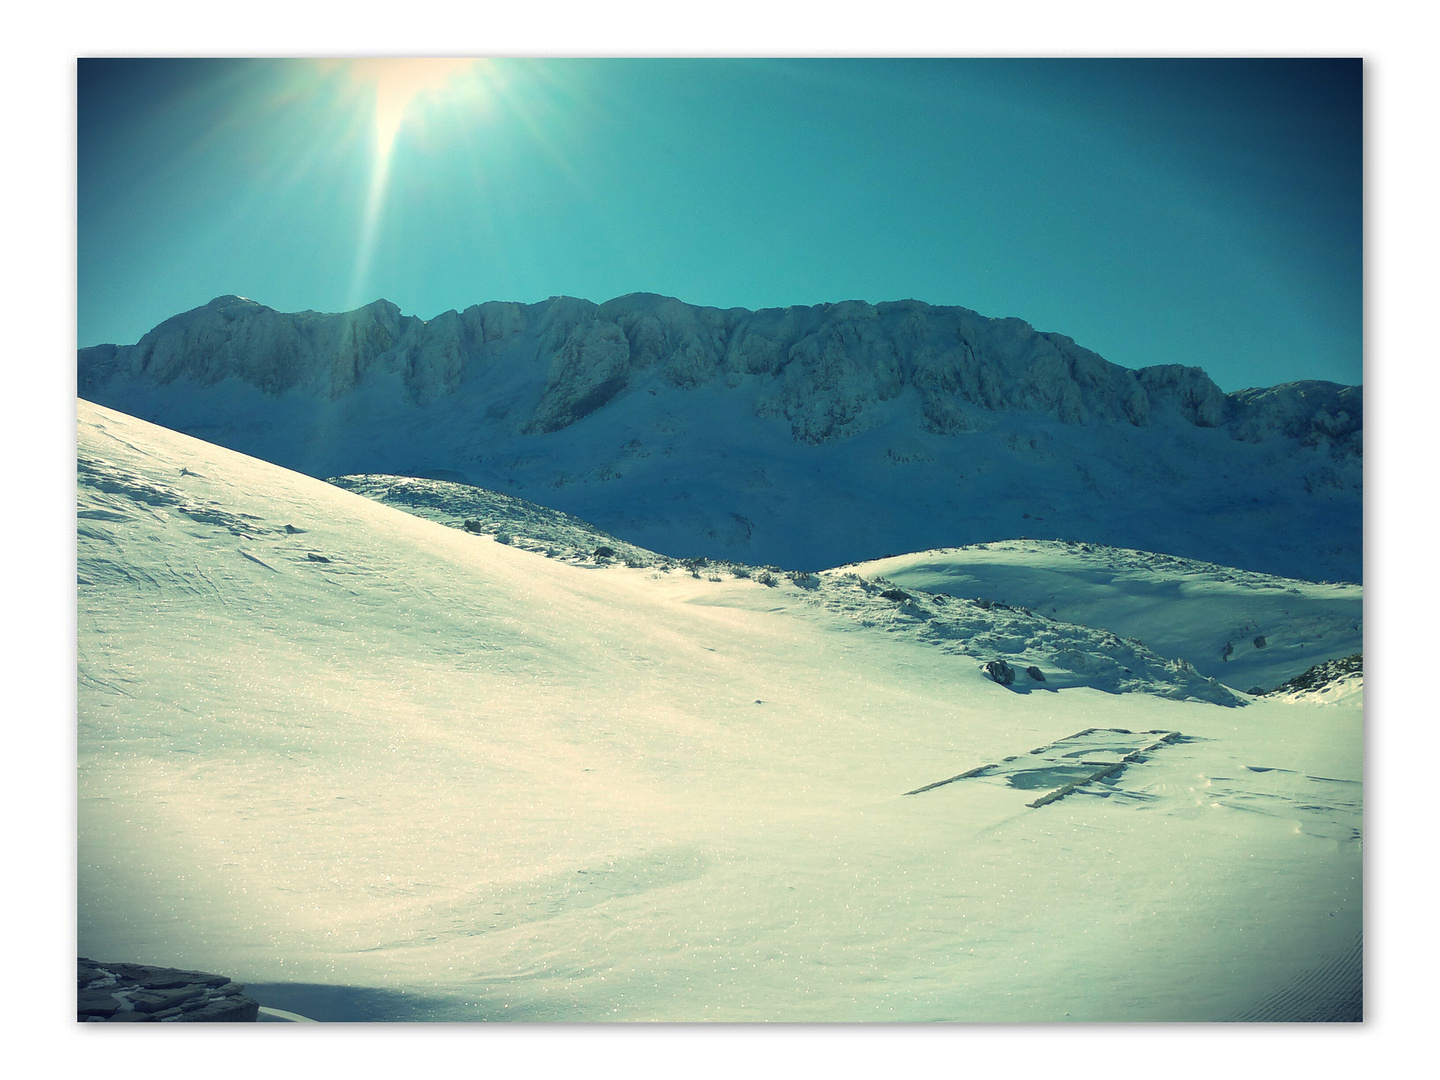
x=825 y=415
x=832 y=362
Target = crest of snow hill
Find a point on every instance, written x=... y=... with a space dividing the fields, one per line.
x=515 y=372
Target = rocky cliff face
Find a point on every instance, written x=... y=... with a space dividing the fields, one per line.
x=568 y=394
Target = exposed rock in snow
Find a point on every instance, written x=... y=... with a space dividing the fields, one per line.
x=530 y=526
x=140 y=992
x=1200 y=401
x=1001 y=672
x=687 y=343
x=1332 y=681
x=589 y=369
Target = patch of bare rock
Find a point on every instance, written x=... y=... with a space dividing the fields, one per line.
x=129 y=993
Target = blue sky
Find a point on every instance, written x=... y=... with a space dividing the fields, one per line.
x=1177 y=211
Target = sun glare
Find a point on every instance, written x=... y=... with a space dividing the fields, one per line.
x=396 y=84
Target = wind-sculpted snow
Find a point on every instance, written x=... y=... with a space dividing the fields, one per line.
x=802 y=436
x=348 y=755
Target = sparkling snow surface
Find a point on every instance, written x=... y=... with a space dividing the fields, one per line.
x=322 y=741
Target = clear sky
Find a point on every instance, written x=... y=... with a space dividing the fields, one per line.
x=1157 y=211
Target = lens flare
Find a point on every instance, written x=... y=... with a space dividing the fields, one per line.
x=396 y=84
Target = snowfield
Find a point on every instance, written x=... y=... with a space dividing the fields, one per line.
x=377 y=767
x=1243 y=628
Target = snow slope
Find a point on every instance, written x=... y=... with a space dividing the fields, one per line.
x=804 y=437
x=345 y=754
x=1243 y=628
x=1048 y=653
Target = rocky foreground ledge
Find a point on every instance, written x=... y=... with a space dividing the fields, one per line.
x=139 y=993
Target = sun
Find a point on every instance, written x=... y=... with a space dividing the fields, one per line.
x=397 y=83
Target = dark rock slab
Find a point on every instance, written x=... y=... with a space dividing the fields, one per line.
x=137 y=993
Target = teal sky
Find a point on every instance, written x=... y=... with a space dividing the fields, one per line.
x=1177 y=211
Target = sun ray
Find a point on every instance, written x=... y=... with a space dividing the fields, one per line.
x=396 y=84
x=369 y=227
